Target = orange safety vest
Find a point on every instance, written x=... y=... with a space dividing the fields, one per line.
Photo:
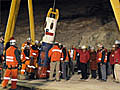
x=10 y=57
x=100 y=57
x=74 y=54
x=67 y=58
x=34 y=53
x=24 y=57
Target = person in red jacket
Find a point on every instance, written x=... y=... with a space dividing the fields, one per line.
x=84 y=58
x=111 y=57
x=117 y=63
x=93 y=62
x=55 y=54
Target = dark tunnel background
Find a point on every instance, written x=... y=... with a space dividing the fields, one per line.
x=69 y=9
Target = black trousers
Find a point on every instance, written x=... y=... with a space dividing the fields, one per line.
x=93 y=72
x=99 y=72
x=65 y=72
x=84 y=70
x=113 y=70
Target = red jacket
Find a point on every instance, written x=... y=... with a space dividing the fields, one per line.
x=111 y=57
x=93 y=60
x=117 y=56
x=84 y=56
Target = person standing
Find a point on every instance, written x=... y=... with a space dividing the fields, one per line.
x=93 y=62
x=111 y=57
x=55 y=54
x=102 y=60
x=84 y=58
x=117 y=63
x=25 y=59
x=12 y=57
x=65 y=64
x=72 y=55
x=1 y=56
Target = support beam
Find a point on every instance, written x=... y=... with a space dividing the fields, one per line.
x=9 y=23
x=31 y=18
x=116 y=8
x=15 y=17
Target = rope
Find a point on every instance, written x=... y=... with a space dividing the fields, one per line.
x=54 y=5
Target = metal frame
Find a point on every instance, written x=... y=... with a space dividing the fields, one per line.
x=14 y=9
x=116 y=8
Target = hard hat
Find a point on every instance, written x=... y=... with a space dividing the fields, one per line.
x=41 y=42
x=83 y=47
x=27 y=46
x=56 y=43
x=64 y=46
x=117 y=41
x=92 y=48
x=100 y=45
x=113 y=46
x=12 y=41
x=28 y=38
x=36 y=42
x=60 y=44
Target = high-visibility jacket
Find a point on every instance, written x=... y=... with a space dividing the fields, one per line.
x=74 y=54
x=117 y=56
x=10 y=57
x=34 y=53
x=25 y=44
x=102 y=56
x=55 y=53
x=64 y=55
x=24 y=57
x=111 y=57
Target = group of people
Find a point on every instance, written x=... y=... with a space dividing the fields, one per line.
x=94 y=62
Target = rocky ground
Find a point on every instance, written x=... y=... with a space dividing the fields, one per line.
x=73 y=84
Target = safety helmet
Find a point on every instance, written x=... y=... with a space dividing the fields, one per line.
x=117 y=41
x=27 y=47
x=41 y=42
x=92 y=48
x=36 y=42
x=83 y=47
x=60 y=44
x=113 y=46
x=28 y=39
x=12 y=41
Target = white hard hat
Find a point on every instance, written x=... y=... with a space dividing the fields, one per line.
x=100 y=45
x=56 y=42
x=64 y=46
x=41 y=42
x=27 y=46
x=12 y=42
x=60 y=44
x=28 y=38
x=92 y=48
x=36 y=42
x=83 y=47
x=117 y=41
x=113 y=46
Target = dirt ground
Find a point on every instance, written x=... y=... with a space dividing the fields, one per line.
x=73 y=84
